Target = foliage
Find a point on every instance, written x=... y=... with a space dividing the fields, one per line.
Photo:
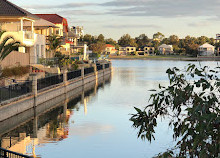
x=191 y=102
x=126 y=40
x=63 y=60
x=15 y=71
x=7 y=45
x=142 y=40
x=54 y=43
x=97 y=47
x=158 y=36
x=101 y=38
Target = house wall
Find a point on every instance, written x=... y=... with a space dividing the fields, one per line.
x=16 y=58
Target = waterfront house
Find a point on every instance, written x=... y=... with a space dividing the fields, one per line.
x=165 y=49
x=149 y=50
x=110 y=49
x=206 y=50
x=127 y=50
x=45 y=28
x=12 y=19
x=61 y=30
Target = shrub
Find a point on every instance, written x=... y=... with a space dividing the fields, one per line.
x=15 y=71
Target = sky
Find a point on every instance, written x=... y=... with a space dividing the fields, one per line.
x=114 y=18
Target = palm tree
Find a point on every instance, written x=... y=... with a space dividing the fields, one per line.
x=7 y=45
x=54 y=43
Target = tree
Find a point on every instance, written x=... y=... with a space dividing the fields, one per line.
x=173 y=40
x=142 y=40
x=97 y=47
x=110 y=41
x=126 y=40
x=7 y=45
x=158 y=36
x=54 y=44
x=101 y=38
x=191 y=102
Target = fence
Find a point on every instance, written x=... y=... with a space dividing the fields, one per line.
x=88 y=70
x=49 y=81
x=73 y=74
x=99 y=67
x=15 y=90
x=10 y=154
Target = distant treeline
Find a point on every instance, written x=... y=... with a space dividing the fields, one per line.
x=188 y=45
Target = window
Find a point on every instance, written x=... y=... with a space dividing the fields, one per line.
x=58 y=31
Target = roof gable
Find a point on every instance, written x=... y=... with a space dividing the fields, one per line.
x=10 y=9
x=54 y=18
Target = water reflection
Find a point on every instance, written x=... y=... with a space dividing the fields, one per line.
x=50 y=121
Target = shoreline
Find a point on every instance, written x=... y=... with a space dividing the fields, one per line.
x=165 y=58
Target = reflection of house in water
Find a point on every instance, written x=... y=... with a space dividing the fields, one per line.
x=48 y=125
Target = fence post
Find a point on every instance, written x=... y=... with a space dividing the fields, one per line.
x=34 y=87
x=64 y=71
x=95 y=72
x=103 y=68
x=82 y=72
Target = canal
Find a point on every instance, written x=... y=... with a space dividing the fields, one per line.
x=94 y=123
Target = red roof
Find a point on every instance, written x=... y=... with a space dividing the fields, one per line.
x=109 y=45
x=54 y=18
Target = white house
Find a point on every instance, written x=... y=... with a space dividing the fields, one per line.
x=165 y=49
x=206 y=50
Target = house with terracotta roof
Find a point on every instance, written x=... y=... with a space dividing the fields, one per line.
x=12 y=20
x=61 y=30
x=110 y=49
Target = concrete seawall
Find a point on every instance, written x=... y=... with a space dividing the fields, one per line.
x=52 y=93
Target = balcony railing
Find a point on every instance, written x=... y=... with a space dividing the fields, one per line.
x=28 y=35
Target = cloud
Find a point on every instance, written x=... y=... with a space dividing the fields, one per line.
x=200 y=24
x=164 y=8
x=131 y=26
x=80 y=12
x=62 y=6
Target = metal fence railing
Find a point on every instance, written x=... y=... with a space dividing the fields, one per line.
x=15 y=90
x=99 y=67
x=106 y=66
x=49 y=81
x=73 y=74
x=4 y=153
x=88 y=70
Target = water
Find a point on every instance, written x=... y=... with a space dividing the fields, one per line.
x=96 y=124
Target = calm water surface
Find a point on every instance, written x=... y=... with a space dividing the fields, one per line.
x=98 y=125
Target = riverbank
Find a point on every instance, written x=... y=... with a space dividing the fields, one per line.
x=170 y=57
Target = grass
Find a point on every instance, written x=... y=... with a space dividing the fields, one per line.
x=149 y=57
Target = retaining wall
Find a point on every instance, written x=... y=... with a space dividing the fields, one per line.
x=27 y=102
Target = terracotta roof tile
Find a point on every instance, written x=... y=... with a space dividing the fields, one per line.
x=54 y=18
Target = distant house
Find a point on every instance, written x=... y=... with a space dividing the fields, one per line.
x=165 y=49
x=12 y=20
x=206 y=50
x=128 y=50
x=110 y=49
x=149 y=50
